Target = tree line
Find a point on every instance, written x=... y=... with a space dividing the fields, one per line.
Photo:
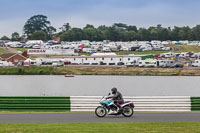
x=38 y=27
x=124 y=32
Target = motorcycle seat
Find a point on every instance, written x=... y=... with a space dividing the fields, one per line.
x=125 y=102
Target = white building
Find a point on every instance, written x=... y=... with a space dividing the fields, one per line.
x=101 y=60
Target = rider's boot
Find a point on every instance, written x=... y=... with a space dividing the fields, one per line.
x=112 y=112
x=119 y=108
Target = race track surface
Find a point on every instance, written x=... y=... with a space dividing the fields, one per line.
x=91 y=118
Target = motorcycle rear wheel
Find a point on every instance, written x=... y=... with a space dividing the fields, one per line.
x=100 y=111
x=127 y=111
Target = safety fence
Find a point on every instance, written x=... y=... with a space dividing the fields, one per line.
x=89 y=103
x=35 y=103
x=195 y=103
x=154 y=103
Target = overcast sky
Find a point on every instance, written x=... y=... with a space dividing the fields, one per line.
x=142 y=13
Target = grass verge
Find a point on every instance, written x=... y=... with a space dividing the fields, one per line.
x=100 y=70
x=2 y=51
x=21 y=49
x=140 y=53
x=152 y=127
x=184 y=48
x=28 y=71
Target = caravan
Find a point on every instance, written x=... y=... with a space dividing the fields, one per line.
x=15 y=44
x=147 y=63
x=165 y=63
x=30 y=62
x=168 y=55
x=196 y=63
x=5 y=64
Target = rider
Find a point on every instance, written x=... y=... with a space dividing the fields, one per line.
x=117 y=98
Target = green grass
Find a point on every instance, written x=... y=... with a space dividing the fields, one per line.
x=176 y=49
x=92 y=70
x=140 y=53
x=2 y=51
x=153 y=127
x=86 y=54
x=184 y=48
x=28 y=71
x=21 y=49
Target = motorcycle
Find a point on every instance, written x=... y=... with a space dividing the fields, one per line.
x=108 y=105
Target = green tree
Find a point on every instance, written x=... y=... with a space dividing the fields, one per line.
x=66 y=36
x=184 y=33
x=39 y=35
x=175 y=33
x=132 y=28
x=103 y=33
x=88 y=26
x=38 y=23
x=15 y=36
x=77 y=34
x=132 y=35
x=120 y=25
x=143 y=34
x=196 y=32
x=90 y=33
x=65 y=27
x=5 y=38
x=124 y=32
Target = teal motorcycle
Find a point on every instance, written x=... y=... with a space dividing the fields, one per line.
x=107 y=105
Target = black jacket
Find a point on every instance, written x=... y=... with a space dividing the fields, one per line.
x=117 y=96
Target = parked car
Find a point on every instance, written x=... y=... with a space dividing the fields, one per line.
x=130 y=64
x=146 y=63
x=36 y=47
x=157 y=56
x=106 y=49
x=6 y=64
x=196 y=55
x=177 y=65
x=58 y=63
x=28 y=46
x=196 y=63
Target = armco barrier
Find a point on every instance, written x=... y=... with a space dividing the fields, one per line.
x=154 y=103
x=89 y=103
x=195 y=103
x=35 y=103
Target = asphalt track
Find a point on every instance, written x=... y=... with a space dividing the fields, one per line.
x=91 y=118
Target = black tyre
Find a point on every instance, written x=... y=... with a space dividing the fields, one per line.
x=127 y=111
x=100 y=111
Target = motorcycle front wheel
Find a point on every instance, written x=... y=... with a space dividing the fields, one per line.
x=100 y=111
x=127 y=111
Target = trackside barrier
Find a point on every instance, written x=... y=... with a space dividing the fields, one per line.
x=195 y=103
x=153 y=103
x=35 y=103
x=89 y=103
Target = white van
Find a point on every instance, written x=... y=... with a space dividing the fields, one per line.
x=165 y=63
x=106 y=49
x=196 y=63
x=196 y=55
x=5 y=64
x=146 y=63
x=58 y=63
x=30 y=62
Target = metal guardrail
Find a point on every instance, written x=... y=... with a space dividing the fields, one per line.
x=89 y=103
x=44 y=103
x=195 y=103
x=149 y=103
